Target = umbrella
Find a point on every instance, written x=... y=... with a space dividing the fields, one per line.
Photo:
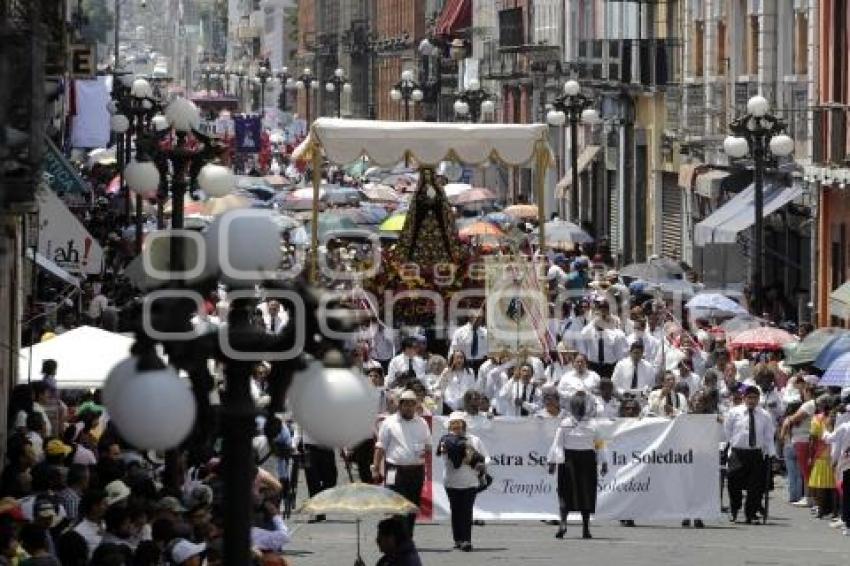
x=812 y=346
x=285 y=222
x=358 y=499
x=114 y=185
x=657 y=269
x=101 y=156
x=499 y=218
x=331 y=223
x=380 y=193
x=481 y=228
x=563 y=231
x=840 y=345
x=763 y=338
x=341 y=195
x=734 y=326
x=358 y=168
x=473 y=197
x=523 y=211
x=218 y=206
x=394 y=223
x=838 y=372
x=715 y=302
x=277 y=180
x=456 y=189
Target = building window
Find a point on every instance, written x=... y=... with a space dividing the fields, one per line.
x=699 y=48
x=801 y=43
x=511 y=28
x=753 y=46
x=722 y=60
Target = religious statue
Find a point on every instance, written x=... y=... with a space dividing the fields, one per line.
x=429 y=236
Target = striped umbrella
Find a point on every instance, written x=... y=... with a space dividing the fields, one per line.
x=481 y=228
x=838 y=373
x=523 y=211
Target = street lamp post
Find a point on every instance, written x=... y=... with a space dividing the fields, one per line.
x=338 y=84
x=306 y=83
x=407 y=91
x=474 y=103
x=262 y=76
x=286 y=82
x=760 y=134
x=573 y=107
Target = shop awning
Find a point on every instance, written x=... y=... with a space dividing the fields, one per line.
x=708 y=183
x=724 y=224
x=52 y=268
x=456 y=15
x=62 y=176
x=839 y=301
x=585 y=158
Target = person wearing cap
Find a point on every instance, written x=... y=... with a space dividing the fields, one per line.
x=633 y=374
x=750 y=432
x=116 y=492
x=797 y=427
x=404 y=441
x=471 y=339
x=169 y=508
x=576 y=451
x=407 y=361
x=465 y=459
x=602 y=341
x=182 y=552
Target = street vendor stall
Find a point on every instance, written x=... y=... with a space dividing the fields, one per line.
x=426 y=144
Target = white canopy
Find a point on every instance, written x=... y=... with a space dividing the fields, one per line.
x=84 y=357
x=387 y=143
x=724 y=224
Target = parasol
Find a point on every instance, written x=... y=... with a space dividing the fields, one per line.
x=277 y=180
x=473 y=197
x=332 y=223
x=734 y=326
x=820 y=342
x=380 y=193
x=763 y=338
x=499 y=218
x=456 y=189
x=480 y=228
x=523 y=211
x=715 y=303
x=560 y=232
x=358 y=499
x=218 y=206
x=838 y=372
x=394 y=223
x=655 y=270
x=285 y=222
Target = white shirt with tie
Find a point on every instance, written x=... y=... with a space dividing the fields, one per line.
x=614 y=345
x=453 y=386
x=651 y=346
x=624 y=373
x=574 y=381
x=529 y=395
x=736 y=428
x=570 y=331
x=274 y=325
x=658 y=402
x=609 y=409
x=462 y=340
x=401 y=364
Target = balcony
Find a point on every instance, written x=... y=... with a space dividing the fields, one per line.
x=647 y=63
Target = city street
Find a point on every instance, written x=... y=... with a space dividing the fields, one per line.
x=791 y=537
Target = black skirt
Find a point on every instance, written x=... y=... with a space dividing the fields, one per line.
x=577 y=480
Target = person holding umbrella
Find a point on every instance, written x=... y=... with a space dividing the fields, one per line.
x=465 y=459
x=577 y=450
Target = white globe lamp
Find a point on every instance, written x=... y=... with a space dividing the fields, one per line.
x=154 y=410
x=244 y=245
x=735 y=147
x=318 y=392
x=183 y=115
x=330 y=87
x=407 y=75
x=141 y=89
x=488 y=107
x=395 y=94
x=339 y=72
x=461 y=108
x=142 y=178
x=556 y=118
x=590 y=116
x=160 y=123
x=417 y=95
x=758 y=106
x=216 y=180
x=781 y=145
x=571 y=87
x=119 y=123
x=474 y=84
x=117 y=376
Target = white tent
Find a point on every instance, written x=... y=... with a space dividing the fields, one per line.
x=83 y=355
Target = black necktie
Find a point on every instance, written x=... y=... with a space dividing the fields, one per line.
x=635 y=377
x=522 y=410
x=670 y=399
x=473 y=350
x=410 y=365
x=601 y=350
x=752 y=428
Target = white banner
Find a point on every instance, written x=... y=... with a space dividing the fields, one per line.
x=63 y=239
x=658 y=469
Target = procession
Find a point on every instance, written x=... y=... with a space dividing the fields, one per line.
x=407 y=306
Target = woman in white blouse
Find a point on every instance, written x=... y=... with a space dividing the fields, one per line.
x=455 y=381
x=576 y=449
x=465 y=459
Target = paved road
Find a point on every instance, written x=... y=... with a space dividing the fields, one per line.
x=791 y=537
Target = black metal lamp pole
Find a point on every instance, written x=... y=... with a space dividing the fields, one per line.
x=407 y=91
x=305 y=83
x=758 y=130
x=284 y=77
x=264 y=73
x=573 y=103
x=338 y=84
x=474 y=99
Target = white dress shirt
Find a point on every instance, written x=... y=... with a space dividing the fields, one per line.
x=495 y=380
x=276 y=325
x=454 y=384
x=576 y=435
x=464 y=477
x=401 y=364
x=624 y=373
x=462 y=341
x=381 y=342
x=614 y=345
x=403 y=440
x=529 y=393
x=651 y=346
x=92 y=533
x=570 y=331
x=736 y=427
x=839 y=442
x=658 y=402
x=555 y=373
x=693 y=380
x=609 y=409
x=573 y=381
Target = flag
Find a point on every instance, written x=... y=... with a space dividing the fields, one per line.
x=248 y=132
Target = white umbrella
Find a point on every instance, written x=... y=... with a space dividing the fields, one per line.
x=715 y=302
x=84 y=357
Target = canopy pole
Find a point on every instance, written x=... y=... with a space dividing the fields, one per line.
x=314 y=228
x=541 y=163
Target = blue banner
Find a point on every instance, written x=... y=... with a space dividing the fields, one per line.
x=247 y=130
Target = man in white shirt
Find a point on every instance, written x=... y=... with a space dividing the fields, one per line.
x=520 y=396
x=634 y=374
x=569 y=332
x=750 y=432
x=92 y=509
x=404 y=440
x=666 y=402
x=274 y=317
x=607 y=406
x=407 y=361
x=471 y=339
x=839 y=441
x=651 y=344
x=603 y=342
x=579 y=379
